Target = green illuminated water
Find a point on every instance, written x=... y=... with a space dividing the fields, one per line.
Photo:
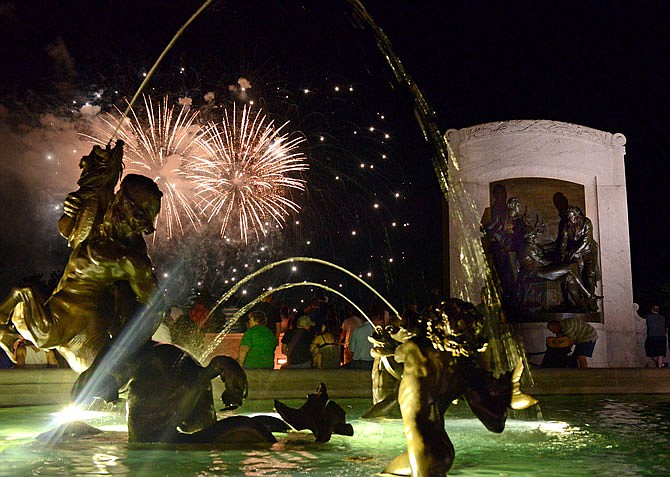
x=579 y=436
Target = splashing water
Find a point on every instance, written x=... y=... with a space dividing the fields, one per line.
x=284 y=286
x=477 y=275
x=158 y=62
x=226 y=296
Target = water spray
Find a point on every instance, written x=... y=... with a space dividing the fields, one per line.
x=285 y=286
x=155 y=65
x=471 y=252
x=226 y=296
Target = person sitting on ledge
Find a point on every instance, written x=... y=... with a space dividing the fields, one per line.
x=27 y=355
x=582 y=334
x=257 y=348
x=296 y=342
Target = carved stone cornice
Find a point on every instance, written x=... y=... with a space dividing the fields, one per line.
x=536 y=127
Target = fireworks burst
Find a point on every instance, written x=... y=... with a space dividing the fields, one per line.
x=242 y=174
x=157 y=146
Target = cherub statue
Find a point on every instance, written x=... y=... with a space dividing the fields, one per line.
x=442 y=362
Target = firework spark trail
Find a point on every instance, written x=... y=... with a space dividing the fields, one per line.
x=243 y=170
x=155 y=65
x=157 y=146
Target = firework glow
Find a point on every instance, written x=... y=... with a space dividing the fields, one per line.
x=242 y=173
x=157 y=145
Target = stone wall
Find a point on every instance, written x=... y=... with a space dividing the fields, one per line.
x=30 y=387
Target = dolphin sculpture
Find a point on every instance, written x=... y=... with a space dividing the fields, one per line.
x=170 y=396
x=234 y=430
x=318 y=414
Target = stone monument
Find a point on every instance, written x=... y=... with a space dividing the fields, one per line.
x=534 y=172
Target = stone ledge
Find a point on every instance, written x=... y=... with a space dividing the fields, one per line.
x=296 y=383
x=600 y=381
x=29 y=387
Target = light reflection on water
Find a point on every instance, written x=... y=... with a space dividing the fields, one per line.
x=579 y=436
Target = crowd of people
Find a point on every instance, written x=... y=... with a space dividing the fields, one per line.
x=316 y=336
x=311 y=337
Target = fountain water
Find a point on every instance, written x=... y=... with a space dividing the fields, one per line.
x=292 y=260
x=581 y=436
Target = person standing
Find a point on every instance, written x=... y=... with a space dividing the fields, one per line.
x=361 y=346
x=199 y=315
x=271 y=311
x=296 y=343
x=348 y=327
x=657 y=336
x=184 y=332
x=325 y=347
x=257 y=348
x=582 y=334
x=320 y=311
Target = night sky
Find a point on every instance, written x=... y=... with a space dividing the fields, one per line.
x=599 y=64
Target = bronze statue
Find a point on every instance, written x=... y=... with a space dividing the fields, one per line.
x=519 y=261
x=84 y=209
x=319 y=414
x=534 y=264
x=107 y=277
x=505 y=238
x=440 y=364
x=576 y=244
x=169 y=393
x=386 y=373
x=107 y=305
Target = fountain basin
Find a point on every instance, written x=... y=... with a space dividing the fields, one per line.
x=573 y=436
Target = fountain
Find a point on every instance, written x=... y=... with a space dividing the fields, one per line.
x=450 y=342
x=107 y=305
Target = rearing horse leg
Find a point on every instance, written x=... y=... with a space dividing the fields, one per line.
x=25 y=309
